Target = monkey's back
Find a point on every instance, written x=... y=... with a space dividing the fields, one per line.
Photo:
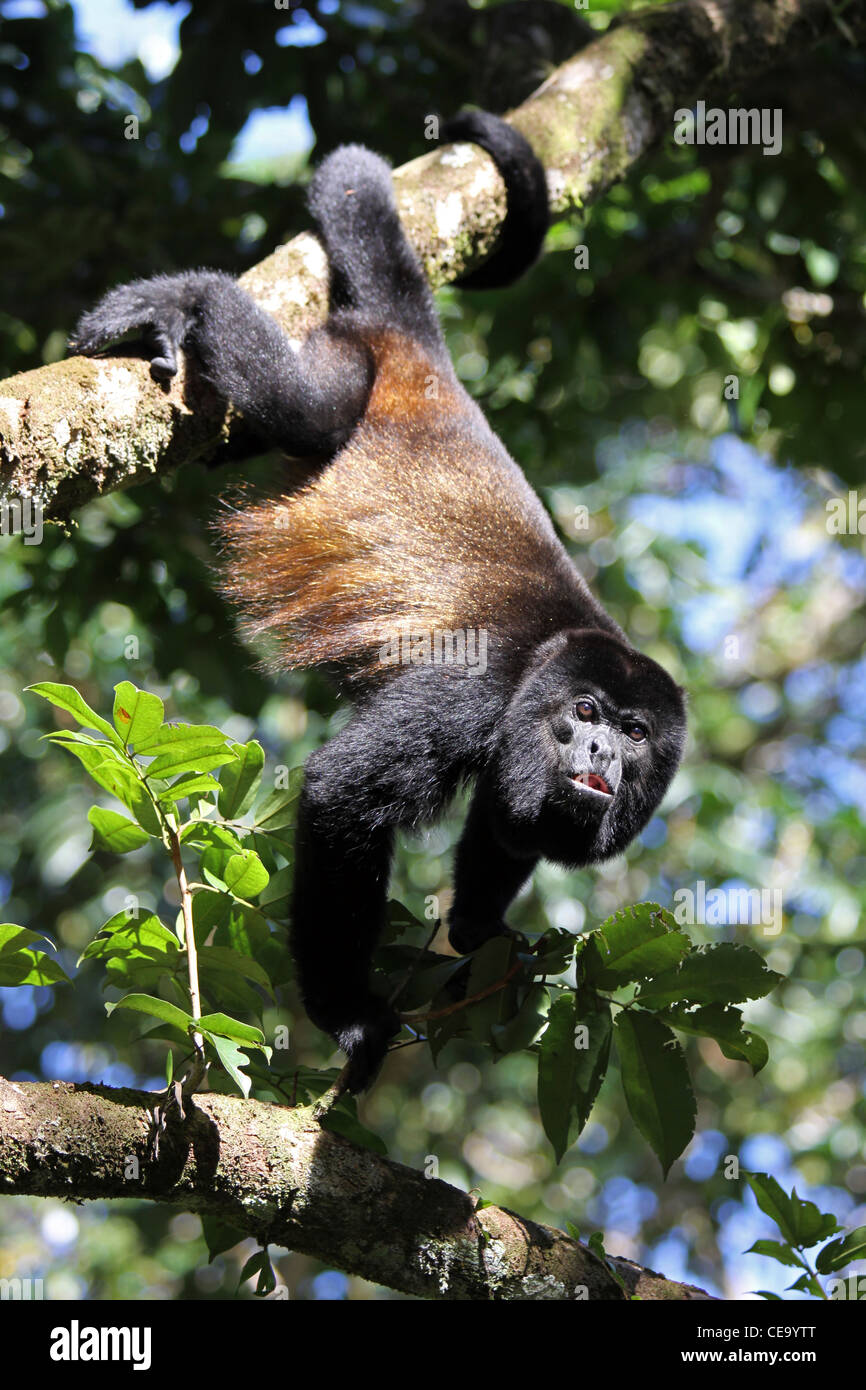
x=421 y=520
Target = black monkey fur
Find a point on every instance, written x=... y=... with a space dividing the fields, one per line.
x=418 y=519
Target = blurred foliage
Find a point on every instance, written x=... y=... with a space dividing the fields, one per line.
x=700 y=521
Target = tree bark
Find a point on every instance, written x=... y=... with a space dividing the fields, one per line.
x=78 y=428
x=274 y=1173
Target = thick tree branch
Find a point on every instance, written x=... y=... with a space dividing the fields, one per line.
x=275 y=1174
x=78 y=428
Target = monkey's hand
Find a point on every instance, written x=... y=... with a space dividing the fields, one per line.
x=162 y=310
x=365 y=1042
x=466 y=934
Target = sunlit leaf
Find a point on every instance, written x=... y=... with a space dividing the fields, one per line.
x=137 y=714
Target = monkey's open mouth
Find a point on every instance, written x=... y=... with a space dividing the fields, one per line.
x=593 y=782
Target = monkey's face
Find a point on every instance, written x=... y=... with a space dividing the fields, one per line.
x=592 y=738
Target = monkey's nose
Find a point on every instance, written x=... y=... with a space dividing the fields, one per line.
x=600 y=750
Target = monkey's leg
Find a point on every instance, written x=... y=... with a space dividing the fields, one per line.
x=340 y=891
x=305 y=402
x=486 y=879
x=374 y=270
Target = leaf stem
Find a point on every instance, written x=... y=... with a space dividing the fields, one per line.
x=189 y=933
x=412 y=1019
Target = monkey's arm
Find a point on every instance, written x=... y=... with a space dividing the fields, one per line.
x=486 y=879
x=306 y=402
x=340 y=891
x=382 y=771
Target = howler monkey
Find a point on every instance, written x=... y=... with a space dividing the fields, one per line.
x=413 y=519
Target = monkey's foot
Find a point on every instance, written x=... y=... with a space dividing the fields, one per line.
x=365 y=1042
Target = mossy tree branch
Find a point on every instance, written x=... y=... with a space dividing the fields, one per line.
x=78 y=428
x=273 y=1173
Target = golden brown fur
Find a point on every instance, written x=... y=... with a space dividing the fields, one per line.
x=421 y=520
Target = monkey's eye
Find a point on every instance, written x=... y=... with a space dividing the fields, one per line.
x=636 y=732
x=585 y=710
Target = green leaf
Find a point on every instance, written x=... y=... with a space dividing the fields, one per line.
x=222 y=960
x=13 y=938
x=209 y=909
x=219 y=1236
x=807 y=1283
x=245 y=875
x=192 y=784
x=173 y=736
x=232 y=1059
x=259 y=1264
x=110 y=769
x=279 y=808
x=596 y=1245
x=137 y=971
x=775 y=1250
x=841 y=1252
x=725 y=974
x=555 y=953
x=430 y=973
x=282 y=842
x=441 y=1031
x=275 y=898
x=527 y=1025
x=26 y=967
x=234 y=993
x=557 y=1069
x=115 y=832
x=813 y=1225
x=66 y=697
x=133 y=936
x=399 y=920
x=247 y=931
x=224 y=1027
x=239 y=780
x=489 y=965
x=725 y=1026
x=656 y=1084
x=157 y=1008
x=216 y=845
x=570 y=1074
x=178 y=748
x=137 y=713
x=594 y=1016
x=801 y=1223
x=638 y=941
x=19 y=965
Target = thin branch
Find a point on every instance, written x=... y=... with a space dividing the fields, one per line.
x=412 y=1019
x=191 y=951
